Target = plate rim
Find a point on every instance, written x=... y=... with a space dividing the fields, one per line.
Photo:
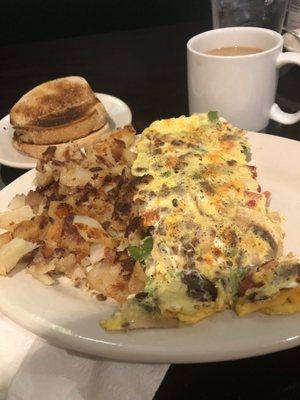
x=134 y=352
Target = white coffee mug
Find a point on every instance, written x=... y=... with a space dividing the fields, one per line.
x=241 y=88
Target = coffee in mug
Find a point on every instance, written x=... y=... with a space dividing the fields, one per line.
x=241 y=87
x=234 y=51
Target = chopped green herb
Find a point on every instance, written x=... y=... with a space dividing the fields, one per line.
x=213 y=116
x=140 y=253
x=166 y=173
x=200 y=150
x=247 y=153
x=234 y=279
x=231 y=251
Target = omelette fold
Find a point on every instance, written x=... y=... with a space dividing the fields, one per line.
x=210 y=242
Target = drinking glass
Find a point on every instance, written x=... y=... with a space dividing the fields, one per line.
x=260 y=13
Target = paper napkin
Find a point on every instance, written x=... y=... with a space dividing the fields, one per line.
x=32 y=369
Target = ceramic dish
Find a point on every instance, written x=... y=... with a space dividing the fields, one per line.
x=118 y=111
x=70 y=318
x=291 y=43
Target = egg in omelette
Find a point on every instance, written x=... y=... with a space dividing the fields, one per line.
x=211 y=241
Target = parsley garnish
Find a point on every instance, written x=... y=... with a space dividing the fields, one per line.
x=235 y=278
x=140 y=253
x=247 y=152
x=213 y=116
x=166 y=173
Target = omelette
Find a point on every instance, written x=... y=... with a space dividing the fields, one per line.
x=210 y=242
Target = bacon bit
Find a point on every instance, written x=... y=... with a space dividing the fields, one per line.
x=251 y=203
x=150 y=217
x=247 y=283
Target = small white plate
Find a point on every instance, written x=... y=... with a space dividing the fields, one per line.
x=291 y=43
x=70 y=318
x=118 y=111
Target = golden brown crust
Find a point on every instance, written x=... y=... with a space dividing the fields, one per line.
x=92 y=121
x=53 y=103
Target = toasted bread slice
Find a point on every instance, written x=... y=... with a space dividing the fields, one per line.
x=94 y=119
x=57 y=102
x=36 y=150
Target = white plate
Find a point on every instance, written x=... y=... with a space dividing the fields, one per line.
x=69 y=318
x=118 y=111
x=291 y=43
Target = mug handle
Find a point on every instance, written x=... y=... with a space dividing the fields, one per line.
x=276 y=113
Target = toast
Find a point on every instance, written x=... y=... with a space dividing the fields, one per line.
x=53 y=103
x=57 y=112
x=93 y=120
x=36 y=150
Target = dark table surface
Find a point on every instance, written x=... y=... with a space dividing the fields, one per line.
x=147 y=69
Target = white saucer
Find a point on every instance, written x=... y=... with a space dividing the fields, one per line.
x=291 y=43
x=118 y=111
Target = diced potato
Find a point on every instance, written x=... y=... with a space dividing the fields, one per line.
x=76 y=176
x=28 y=230
x=17 y=202
x=8 y=219
x=96 y=252
x=107 y=279
x=35 y=200
x=137 y=279
x=46 y=279
x=5 y=238
x=12 y=252
x=53 y=232
x=91 y=230
x=65 y=264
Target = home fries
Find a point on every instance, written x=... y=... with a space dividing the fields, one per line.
x=173 y=225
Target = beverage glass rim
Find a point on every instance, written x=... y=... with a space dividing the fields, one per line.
x=212 y=32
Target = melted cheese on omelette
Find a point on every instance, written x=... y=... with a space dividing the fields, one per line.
x=216 y=244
